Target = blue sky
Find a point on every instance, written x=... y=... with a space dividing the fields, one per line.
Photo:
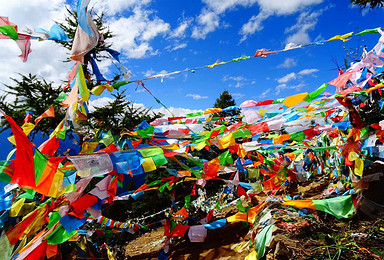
x=165 y=36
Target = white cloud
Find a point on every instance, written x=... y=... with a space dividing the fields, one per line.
x=264 y=94
x=305 y=22
x=177 y=47
x=221 y=6
x=307 y=71
x=208 y=21
x=284 y=86
x=253 y=25
x=288 y=63
x=288 y=77
x=180 y=31
x=196 y=96
x=100 y=102
x=113 y=7
x=134 y=33
x=237 y=95
x=269 y=8
x=46 y=58
x=240 y=80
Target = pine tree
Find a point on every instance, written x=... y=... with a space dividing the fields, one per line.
x=368 y=3
x=120 y=115
x=33 y=95
x=223 y=101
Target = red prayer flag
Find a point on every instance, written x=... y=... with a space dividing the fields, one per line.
x=80 y=205
x=179 y=230
x=24 y=174
x=39 y=252
x=50 y=146
x=241 y=192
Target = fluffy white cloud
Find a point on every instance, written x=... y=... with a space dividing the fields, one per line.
x=305 y=22
x=180 y=31
x=100 y=102
x=196 y=96
x=288 y=63
x=307 y=71
x=288 y=77
x=46 y=58
x=221 y=6
x=208 y=21
x=134 y=33
x=113 y=7
x=269 y=8
x=209 y=18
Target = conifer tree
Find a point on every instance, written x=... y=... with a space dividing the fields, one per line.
x=368 y=3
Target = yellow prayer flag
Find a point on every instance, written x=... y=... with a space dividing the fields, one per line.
x=148 y=164
x=341 y=37
x=226 y=141
x=295 y=99
x=262 y=111
x=27 y=129
x=16 y=207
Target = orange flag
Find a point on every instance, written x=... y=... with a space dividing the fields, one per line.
x=50 y=112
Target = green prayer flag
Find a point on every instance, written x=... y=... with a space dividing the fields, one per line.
x=10 y=31
x=62 y=96
x=225 y=158
x=217 y=206
x=197 y=173
x=240 y=206
x=262 y=239
x=322 y=149
x=364 y=131
x=154 y=183
x=149 y=152
x=54 y=217
x=146 y=132
x=162 y=187
x=159 y=159
x=298 y=137
x=194 y=114
x=117 y=85
x=29 y=194
x=340 y=207
x=173 y=225
x=40 y=162
x=368 y=31
x=241 y=58
x=242 y=133
x=107 y=139
x=196 y=161
x=311 y=96
x=59 y=236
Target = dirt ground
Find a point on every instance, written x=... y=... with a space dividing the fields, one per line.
x=331 y=239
